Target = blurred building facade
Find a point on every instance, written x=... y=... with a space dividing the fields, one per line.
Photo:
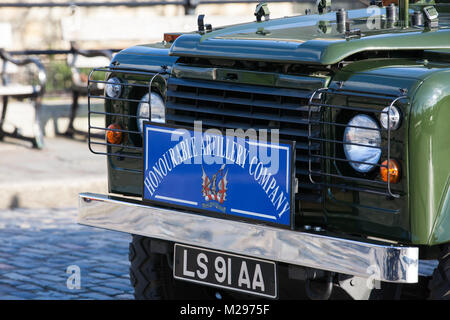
x=121 y=26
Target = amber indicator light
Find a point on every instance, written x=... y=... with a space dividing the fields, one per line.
x=114 y=137
x=171 y=37
x=394 y=171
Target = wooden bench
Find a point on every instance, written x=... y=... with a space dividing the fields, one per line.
x=78 y=61
x=11 y=88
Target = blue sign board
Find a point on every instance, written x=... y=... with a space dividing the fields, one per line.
x=229 y=175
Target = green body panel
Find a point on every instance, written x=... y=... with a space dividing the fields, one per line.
x=422 y=216
x=429 y=164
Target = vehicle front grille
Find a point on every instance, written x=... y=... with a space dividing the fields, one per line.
x=308 y=115
x=225 y=105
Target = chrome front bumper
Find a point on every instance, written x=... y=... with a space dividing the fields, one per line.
x=380 y=262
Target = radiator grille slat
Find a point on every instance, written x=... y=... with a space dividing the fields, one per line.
x=231 y=124
x=237 y=113
x=242 y=88
x=238 y=101
x=224 y=105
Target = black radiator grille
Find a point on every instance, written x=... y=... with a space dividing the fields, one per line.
x=231 y=105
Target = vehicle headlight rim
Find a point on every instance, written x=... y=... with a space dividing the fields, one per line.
x=395 y=118
x=143 y=112
x=354 y=149
x=113 y=87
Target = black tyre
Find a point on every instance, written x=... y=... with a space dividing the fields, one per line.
x=151 y=275
x=439 y=284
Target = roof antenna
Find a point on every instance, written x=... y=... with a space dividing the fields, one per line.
x=403 y=8
x=262 y=10
x=201 y=23
x=202 y=27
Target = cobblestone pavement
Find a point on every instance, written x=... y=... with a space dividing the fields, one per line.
x=37 y=246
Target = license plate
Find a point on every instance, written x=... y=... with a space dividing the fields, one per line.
x=226 y=176
x=227 y=271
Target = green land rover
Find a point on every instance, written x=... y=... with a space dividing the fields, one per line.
x=307 y=156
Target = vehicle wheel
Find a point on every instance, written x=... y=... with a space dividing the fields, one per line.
x=152 y=279
x=439 y=284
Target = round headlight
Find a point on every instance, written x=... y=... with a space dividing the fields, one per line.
x=113 y=88
x=394 y=118
x=362 y=141
x=157 y=114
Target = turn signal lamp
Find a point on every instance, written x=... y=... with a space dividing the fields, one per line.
x=171 y=37
x=394 y=171
x=113 y=136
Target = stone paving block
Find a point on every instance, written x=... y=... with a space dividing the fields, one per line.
x=91 y=281
x=58 y=260
x=9 y=248
x=7 y=281
x=49 y=277
x=51 y=295
x=113 y=271
x=26 y=272
x=72 y=246
x=102 y=276
x=43 y=283
x=106 y=290
x=106 y=260
x=45 y=270
x=29 y=287
x=21 y=293
x=39 y=252
x=21 y=263
x=122 y=286
x=5 y=288
x=44 y=298
x=45 y=246
x=10 y=297
x=30 y=255
x=15 y=276
x=64 y=289
x=4 y=266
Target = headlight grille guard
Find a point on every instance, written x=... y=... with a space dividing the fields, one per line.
x=375 y=186
x=124 y=150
